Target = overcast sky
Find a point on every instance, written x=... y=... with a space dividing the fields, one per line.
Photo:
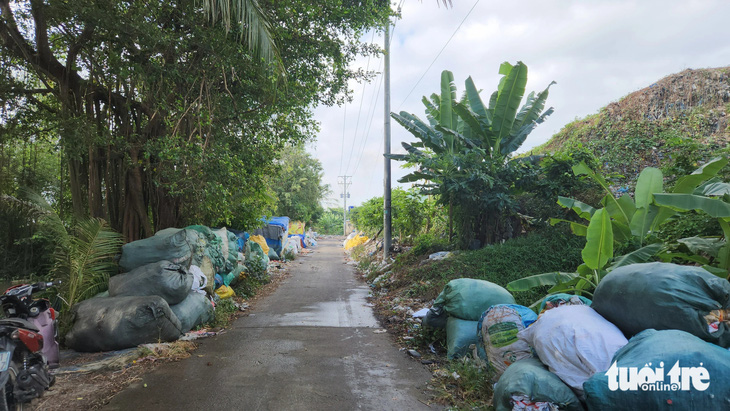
x=596 y=50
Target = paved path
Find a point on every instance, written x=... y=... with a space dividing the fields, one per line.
x=308 y=346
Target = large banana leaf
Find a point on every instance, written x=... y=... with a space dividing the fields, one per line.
x=685 y=202
x=697 y=245
x=398 y=157
x=621 y=209
x=512 y=88
x=582 y=209
x=427 y=134
x=641 y=255
x=715 y=189
x=599 y=241
x=577 y=228
x=432 y=111
x=687 y=184
x=531 y=110
x=643 y=221
x=512 y=143
x=470 y=118
x=650 y=181
x=416 y=176
x=475 y=101
x=528 y=283
x=448 y=99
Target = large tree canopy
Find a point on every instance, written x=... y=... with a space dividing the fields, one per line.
x=159 y=115
x=298 y=186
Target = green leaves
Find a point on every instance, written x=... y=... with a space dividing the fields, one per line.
x=254 y=25
x=539 y=280
x=511 y=89
x=599 y=241
x=685 y=202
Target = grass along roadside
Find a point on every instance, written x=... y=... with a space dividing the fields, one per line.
x=412 y=282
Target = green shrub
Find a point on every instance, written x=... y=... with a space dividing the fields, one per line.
x=224 y=310
x=688 y=224
x=428 y=244
x=544 y=250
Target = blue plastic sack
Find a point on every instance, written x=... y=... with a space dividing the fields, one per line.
x=460 y=334
x=652 y=350
x=498 y=330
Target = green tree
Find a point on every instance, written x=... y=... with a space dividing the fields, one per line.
x=161 y=120
x=413 y=214
x=329 y=222
x=298 y=186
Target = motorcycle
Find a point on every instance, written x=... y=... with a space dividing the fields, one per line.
x=28 y=345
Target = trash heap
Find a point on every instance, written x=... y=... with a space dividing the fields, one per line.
x=353 y=240
x=655 y=336
x=169 y=284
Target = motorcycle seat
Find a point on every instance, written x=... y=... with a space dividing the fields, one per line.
x=19 y=322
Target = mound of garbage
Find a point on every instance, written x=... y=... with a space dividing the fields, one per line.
x=653 y=337
x=171 y=282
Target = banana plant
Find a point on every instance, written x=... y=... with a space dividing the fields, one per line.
x=713 y=199
x=624 y=217
x=635 y=219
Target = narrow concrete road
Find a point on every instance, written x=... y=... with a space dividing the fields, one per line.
x=308 y=346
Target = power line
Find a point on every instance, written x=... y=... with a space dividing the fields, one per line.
x=367 y=134
x=359 y=112
x=342 y=151
x=364 y=136
x=438 y=55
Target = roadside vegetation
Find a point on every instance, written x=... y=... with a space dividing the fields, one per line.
x=539 y=224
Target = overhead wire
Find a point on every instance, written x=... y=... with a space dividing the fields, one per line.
x=342 y=150
x=438 y=55
x=366 y=136
x=359 y=112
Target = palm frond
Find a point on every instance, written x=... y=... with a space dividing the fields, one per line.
x=86 y=266
x=255 y=27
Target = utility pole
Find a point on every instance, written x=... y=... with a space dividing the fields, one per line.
x=344 y=182
x=386 y=175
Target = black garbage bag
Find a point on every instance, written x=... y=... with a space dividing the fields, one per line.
x=436 y=317
x=172 y=244
x=170 y=281
x=195 y=310
x=115 y=323
x=665 y=296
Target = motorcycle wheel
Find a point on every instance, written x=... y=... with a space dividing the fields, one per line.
x=7 y=401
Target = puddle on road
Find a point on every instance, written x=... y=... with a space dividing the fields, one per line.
x=350 y=312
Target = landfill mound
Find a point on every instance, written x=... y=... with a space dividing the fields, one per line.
x=682 y=117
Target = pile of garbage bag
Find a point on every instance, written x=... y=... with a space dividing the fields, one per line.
x=169 y=285
x=353 y=240
x=654 y=336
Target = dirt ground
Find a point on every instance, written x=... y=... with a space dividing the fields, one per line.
x=89 y=380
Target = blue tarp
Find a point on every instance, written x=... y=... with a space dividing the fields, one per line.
x=279 y=221
x=275 y=244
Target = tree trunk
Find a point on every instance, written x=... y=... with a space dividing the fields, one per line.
x=74 y=179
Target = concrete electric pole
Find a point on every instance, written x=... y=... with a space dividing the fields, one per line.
x=386 y=175
x=344 y=181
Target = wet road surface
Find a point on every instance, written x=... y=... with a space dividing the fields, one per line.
x=308 y=346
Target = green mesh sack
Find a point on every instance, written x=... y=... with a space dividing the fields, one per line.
x=529 y=382
x=467 y=298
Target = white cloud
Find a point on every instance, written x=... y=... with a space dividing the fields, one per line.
x=596 y=50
